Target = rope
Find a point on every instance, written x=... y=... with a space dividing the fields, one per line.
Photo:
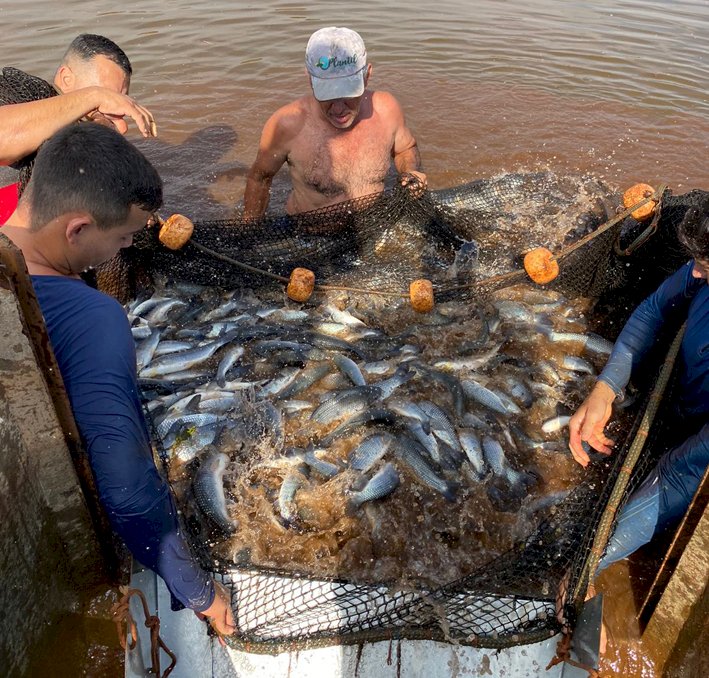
x=283 y=279
x=508 y=278
x=121 y=613
x=607 y=520
x=563 y=655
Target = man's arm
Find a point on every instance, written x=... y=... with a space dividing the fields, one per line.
x=98 y=367
x=272 y=153
x=405 y=152
x=668 y=304
x=23 y=127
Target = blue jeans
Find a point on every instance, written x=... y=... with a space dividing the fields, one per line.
x=661 y=500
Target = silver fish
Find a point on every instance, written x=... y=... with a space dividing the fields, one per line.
x=295 y=478
x=171 y=346
x=473 y=451
x=349 y=368
x=307 y=377
x=146 y=349
x=412 y=454
x=484 y=396
x=226 y=363
x=576 y=364
x=182 y=420
x=381 y=485
x=555 y=424
x=589 y=342
x=208 y=487
x=188 y=448
x=346 y=403
x=410 y=410
x=183 y=360
x=343 y=317
x=163 y=310
x=370 y=451
x=495 y=457
x=321 y=466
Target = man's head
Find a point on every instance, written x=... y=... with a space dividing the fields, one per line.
x=92 y=60
x=336 y=61
x=94 y=189
x=693 y=233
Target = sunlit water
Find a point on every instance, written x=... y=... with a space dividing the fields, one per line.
x=618 y=89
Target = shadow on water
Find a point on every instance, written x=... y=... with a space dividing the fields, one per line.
x=192 y=172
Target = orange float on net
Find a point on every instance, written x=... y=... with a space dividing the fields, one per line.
x=175 y=231
x=301 y=284
x=634 y=195
x=541 y=266
x=421 y=295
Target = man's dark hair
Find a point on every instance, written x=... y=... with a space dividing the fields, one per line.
x=91 y=168
x=86 y=46
x=693 y=231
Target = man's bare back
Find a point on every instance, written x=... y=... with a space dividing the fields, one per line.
x=336 y=149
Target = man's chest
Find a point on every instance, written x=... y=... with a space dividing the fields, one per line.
x=362 y=153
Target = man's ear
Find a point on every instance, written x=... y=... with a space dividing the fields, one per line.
x=76 y=226
x=367 y=74
x=65 y=79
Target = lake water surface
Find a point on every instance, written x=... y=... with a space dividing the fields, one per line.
x=616 y=88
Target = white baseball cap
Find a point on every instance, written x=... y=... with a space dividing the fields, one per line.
x=336 y=61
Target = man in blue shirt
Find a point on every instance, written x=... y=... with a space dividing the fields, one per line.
x=663 y=498
x=90 y=192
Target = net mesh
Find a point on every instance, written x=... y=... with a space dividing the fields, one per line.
x=380 y=243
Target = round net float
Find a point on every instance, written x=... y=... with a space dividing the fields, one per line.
x=421 y=295
x=540 y=265
x=175 y=231
x=634 y=195
x=301 y=284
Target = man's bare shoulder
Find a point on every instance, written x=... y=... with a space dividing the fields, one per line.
x=289 y=120
x=387 y=105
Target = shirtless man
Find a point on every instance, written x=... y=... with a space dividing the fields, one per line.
x=339 y=140
x=92 y=81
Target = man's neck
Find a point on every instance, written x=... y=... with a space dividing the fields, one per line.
x=38 y=262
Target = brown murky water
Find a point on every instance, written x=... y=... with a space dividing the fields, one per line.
x=618 y=89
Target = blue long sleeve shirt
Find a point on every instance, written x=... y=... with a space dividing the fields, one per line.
x=680 y=298
x=94 y=348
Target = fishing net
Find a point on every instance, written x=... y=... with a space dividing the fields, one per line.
x=372 y=248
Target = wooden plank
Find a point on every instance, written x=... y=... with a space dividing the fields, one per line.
x=671 y=619
x=684 y=533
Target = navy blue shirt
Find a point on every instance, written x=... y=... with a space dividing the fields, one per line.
x=94 y=348
x=680 y=298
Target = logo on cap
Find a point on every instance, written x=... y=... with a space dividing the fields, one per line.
x=323 y=63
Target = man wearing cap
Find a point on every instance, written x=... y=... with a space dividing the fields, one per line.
x=339 y=140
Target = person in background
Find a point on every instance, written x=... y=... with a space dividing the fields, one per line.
x=90 y=192
x=91 y=82
x=664 y=496
x=339 y=140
